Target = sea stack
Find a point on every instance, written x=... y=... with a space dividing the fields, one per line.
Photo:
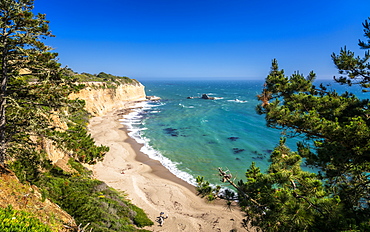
x=205 y=96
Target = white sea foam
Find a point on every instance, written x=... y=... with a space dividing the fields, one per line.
x=133 y=120
x=237 y=100
x=184 y=106
x=167 y=163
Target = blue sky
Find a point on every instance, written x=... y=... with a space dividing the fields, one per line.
x=234 y=39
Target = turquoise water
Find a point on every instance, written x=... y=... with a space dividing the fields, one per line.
x=194 y=137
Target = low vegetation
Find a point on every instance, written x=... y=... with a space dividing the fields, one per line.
x=111 y=81
x=16 y=220
x=91 y=201
x=36 y=116
x=27 y=198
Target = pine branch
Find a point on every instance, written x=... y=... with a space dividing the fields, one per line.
x=305 y=198
x=227 y=177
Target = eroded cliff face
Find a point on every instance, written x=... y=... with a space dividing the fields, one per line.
x=101 y=99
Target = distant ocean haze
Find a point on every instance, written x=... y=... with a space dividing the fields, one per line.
x=193 y=137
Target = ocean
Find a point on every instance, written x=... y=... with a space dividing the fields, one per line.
x=193 y=137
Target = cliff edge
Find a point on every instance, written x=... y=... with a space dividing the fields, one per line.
x=101 y=98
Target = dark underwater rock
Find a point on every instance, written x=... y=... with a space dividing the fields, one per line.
x=257 y=158
x=233 y=138
x=237 y=150
x=171 y=131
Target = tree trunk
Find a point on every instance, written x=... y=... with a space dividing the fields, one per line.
x=4 y=82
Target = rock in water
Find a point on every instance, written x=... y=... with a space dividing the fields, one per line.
x=205 y=96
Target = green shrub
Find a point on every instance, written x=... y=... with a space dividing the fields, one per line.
x=111 y=81
x=81 y=170
x=28 y=164
x=77 y=139
x=92 y=201
x=206 y=190
x=19 y=221
x=141 y=219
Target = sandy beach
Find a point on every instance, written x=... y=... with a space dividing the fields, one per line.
x=152 y=187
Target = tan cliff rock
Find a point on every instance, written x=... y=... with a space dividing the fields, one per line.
x=101 y=99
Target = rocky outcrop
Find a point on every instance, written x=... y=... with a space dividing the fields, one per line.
x=153 y=98
x=205 y=96
x=101 y=99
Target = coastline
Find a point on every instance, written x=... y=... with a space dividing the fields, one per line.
x=157 y=168
x=152 y=187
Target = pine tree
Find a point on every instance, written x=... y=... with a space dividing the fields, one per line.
x=355 y=70
x=336 y=132
x=34 y=97
x=21 y=51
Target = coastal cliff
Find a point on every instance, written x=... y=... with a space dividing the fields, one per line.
x=101 y=98
x=47 y=182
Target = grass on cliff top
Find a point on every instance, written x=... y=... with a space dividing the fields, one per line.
x=104 y=77
x=108 y=80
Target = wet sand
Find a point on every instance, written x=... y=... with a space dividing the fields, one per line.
x=152 y=187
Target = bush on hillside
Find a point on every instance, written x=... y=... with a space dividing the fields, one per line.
x=92 y=201
x=19 y=221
